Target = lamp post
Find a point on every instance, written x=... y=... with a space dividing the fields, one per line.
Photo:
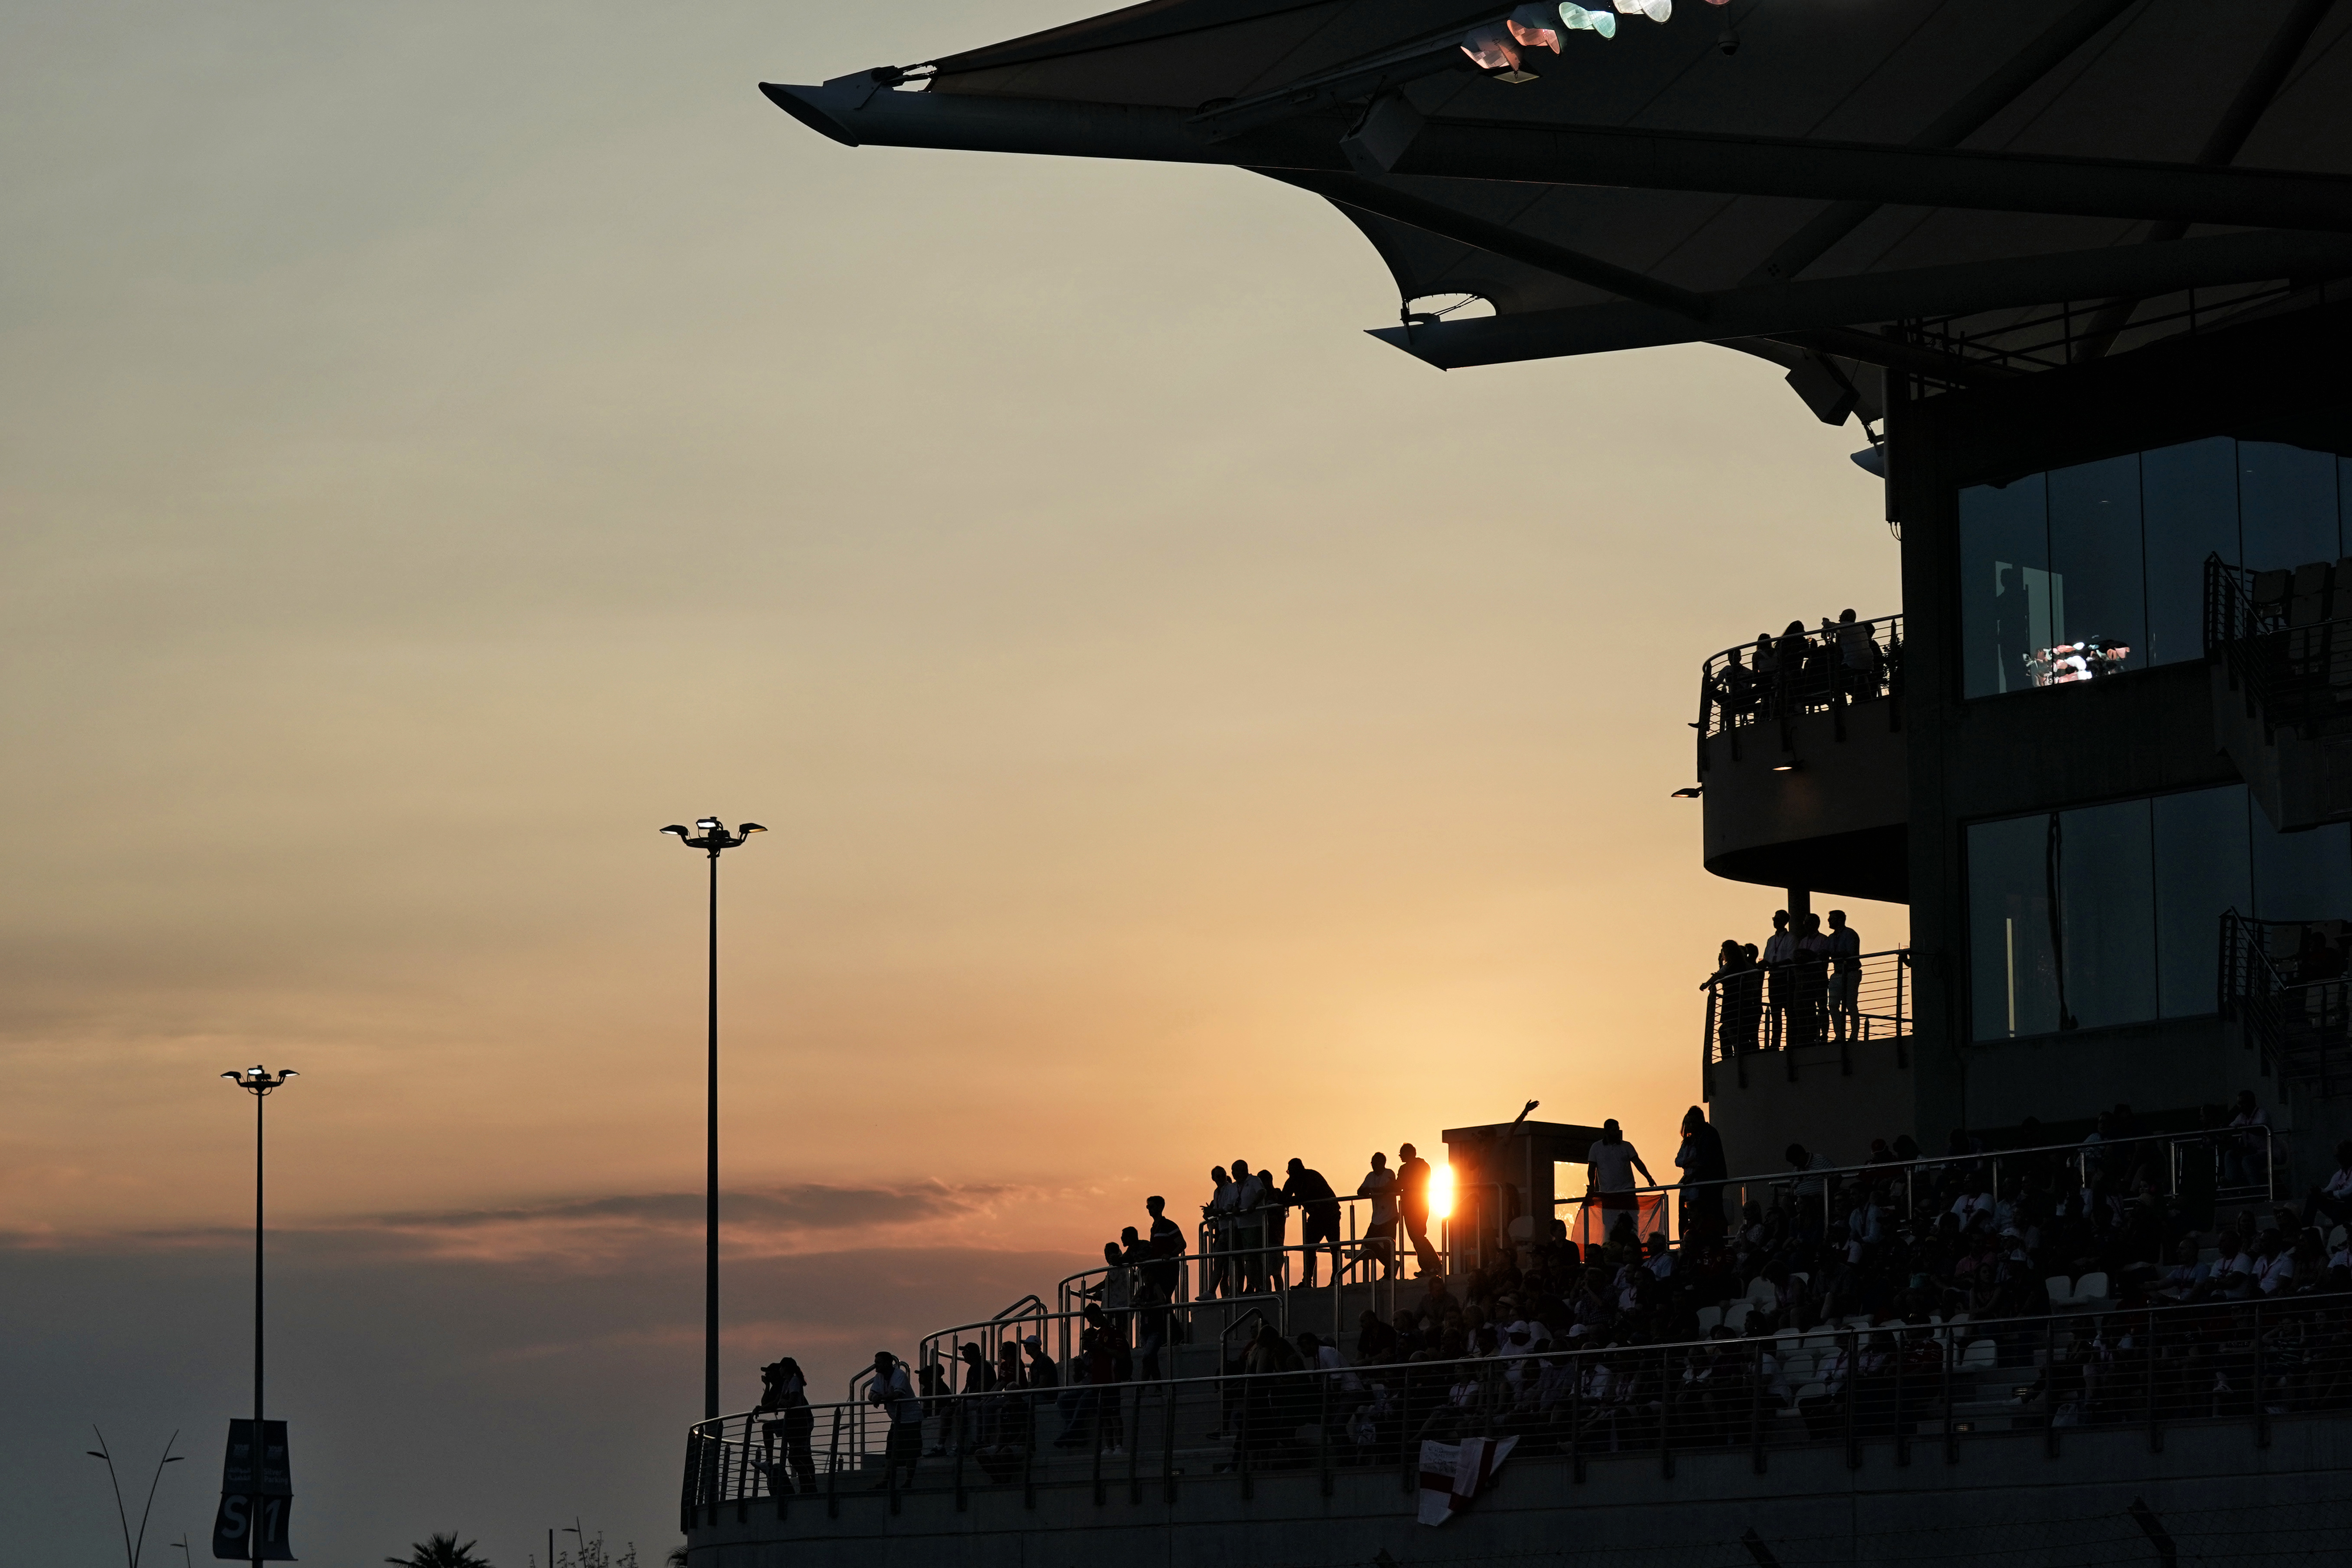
x=258 y=1081
x=710 y=836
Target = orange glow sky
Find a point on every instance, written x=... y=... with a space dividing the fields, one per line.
x=446 y=443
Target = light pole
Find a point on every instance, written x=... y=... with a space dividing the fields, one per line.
x=712 y=838
x=257 y=1081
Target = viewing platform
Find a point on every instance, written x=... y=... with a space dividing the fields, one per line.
x=1801 y=766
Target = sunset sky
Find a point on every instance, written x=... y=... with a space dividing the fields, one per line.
x=444 y=443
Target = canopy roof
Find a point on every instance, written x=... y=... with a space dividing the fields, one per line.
x=1967 y=189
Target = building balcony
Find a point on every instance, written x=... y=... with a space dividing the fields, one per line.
x=2280 y=646
x=1803 y=782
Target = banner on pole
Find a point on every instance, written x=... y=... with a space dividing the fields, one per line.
x=251 y=1483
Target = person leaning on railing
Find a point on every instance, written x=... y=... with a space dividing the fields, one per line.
x=894 y=1391
x=783 y=1390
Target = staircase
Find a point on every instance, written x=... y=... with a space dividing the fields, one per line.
x=2280 y=648
x=2292 y=1006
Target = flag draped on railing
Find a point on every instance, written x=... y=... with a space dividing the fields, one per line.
x=1452 y=1474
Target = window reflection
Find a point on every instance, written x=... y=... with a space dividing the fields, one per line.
x=2110 y=914
x=2090 y=570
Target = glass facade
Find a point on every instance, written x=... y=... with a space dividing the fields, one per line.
x=2110 y=914
x=2100 y=568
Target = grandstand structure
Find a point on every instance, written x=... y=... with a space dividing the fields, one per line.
x=2080 y=275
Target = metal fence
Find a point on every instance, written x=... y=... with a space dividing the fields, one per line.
x=2289 y=993
x=1777 y=678
x=2204 y=1170
x=2286 y=638
x=1927 y=1387
x=1788 y=1006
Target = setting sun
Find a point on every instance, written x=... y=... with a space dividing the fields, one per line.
x=1441 y=1191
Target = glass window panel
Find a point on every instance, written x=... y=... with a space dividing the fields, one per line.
x=2287 y=506
x=2005 y=586
x=2106 y=903
x=2201 y=869
x=2013 y=971
x=2304 y=875
x=2189 y=509
x=2094 y=553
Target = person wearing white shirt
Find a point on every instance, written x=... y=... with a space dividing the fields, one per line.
x=1609 y=1163
x=2274 y=1266
x=2232 y=1274
x=2332 y=1197
x=2245 y=1160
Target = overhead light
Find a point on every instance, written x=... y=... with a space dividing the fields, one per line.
x=1790 y=767
x=1871 y=460
x=1492 y=48
x=1656 y=10
x=1688 y=792
x=1534 y=28
x=1577 y=19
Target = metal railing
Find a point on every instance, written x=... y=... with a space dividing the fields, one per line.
x=2214 y=1166
x=2297 y=1020
x=2056 y=335
x=1928 y=1384
x=1785 y=1007
x=1774 y=679
x=2286 y=638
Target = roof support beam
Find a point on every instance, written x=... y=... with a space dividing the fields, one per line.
x=856 y=110
x=1812 y=305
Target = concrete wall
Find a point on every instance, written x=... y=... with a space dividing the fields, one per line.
x=2005 y=1499
x=1825 y=1110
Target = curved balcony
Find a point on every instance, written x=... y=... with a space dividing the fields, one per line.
x=1801 y=761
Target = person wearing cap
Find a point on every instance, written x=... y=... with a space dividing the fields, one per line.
x=1609 y=1163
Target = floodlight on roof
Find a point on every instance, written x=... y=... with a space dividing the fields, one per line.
x=1656 y=10
x=1577 y=19
x=1492 y=47
x=1534 y=28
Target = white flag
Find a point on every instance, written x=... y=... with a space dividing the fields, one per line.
x=1453 y=1473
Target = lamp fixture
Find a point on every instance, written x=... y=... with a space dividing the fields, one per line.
x=1790 y=766
x=1688 y=792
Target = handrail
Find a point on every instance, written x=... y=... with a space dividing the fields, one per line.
x=2299 y=1024
x=1909 y=1170
x=2277 y=646
x=2116 y=1363
x=1825 y=670
x=1782 y=1006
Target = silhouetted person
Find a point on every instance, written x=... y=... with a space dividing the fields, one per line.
x=1167 y=1244
x=1413 y=1206
x=1780 y=960
x=894 y=1391
x=1318 y=1207
x=1845 y=978
x=1380 y=1235
x=1704 y=1173
x=1249 y=1227
x=1217 y=1215
x=1609 y=1163
x=783 y=1390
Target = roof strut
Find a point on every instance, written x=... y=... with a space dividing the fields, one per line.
x=1951 y=128
x=1430 y=218
x=2238 y=121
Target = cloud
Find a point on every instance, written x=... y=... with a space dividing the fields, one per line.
x=610 y=1230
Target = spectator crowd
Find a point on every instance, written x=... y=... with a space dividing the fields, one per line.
x=2113 y=1278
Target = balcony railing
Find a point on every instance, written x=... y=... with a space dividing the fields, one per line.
x=1771 y=681
x=2291 y=1000
x=1931 y=1384
x=2285 y=637
x=1788 y=1008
